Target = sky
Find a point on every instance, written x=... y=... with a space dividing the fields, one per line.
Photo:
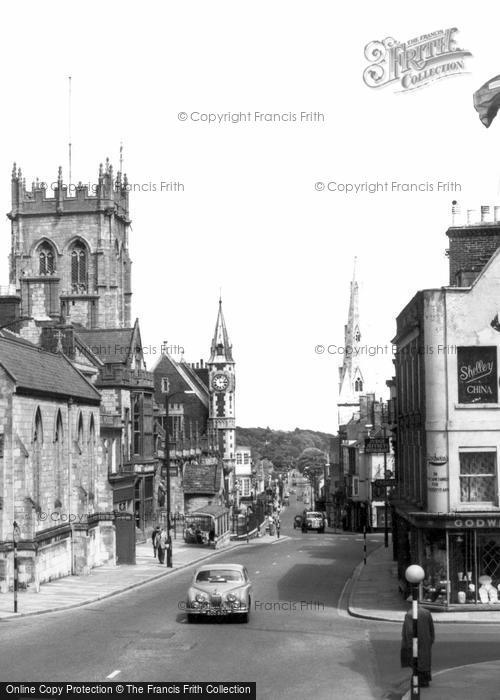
x=239 y=209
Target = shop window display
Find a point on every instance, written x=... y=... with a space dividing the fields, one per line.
x=435 y=585
x=463 y=575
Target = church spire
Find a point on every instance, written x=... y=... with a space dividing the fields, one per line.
x=221 y=350
x=350 y=375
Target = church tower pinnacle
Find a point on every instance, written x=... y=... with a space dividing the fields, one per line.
x=350 y=375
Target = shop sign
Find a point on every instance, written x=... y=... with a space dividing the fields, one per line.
x=477 y=374
x=377 y=445
x=475 y=522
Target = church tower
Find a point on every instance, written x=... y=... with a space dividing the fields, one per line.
x=69 y=251
x=222 y=389
x=350 y=375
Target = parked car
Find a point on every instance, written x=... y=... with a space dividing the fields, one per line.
x=219 y=589
x=313 y=520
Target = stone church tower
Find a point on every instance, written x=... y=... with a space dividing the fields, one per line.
x=69 y=256
x=221 y=383
x=350 y=375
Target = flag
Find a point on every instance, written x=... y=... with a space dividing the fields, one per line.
x=487 y=100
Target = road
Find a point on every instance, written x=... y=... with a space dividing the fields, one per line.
x=299 y=642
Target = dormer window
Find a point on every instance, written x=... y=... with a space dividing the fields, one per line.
x=46 y=259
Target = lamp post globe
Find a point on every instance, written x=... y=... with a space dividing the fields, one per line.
x=414 y=574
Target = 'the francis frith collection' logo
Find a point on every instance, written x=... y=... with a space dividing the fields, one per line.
x=416 y=62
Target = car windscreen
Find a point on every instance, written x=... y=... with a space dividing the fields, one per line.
x=219 y=575
x=313 y=515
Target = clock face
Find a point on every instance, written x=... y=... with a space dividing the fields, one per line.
x=220 y=382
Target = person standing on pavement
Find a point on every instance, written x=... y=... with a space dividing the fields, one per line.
x=161 y=545
x=154 y=534
x=278 y=526
x=426 y=636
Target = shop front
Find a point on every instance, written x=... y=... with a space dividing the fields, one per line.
x=460 y=554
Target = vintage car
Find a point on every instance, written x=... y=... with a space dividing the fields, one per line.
x=219 y=589
x=313 y=520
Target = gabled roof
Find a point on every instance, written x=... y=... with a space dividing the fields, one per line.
x=36 y=371
x=202 y=478
x=181 y=376
x=112 y=345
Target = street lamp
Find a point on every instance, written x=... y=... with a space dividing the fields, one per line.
x=414 y=574
x=165 y=386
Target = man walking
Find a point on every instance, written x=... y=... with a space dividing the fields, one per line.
x=278 y=526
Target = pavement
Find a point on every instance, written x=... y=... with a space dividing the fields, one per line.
x=373 y=594
x=109 y=580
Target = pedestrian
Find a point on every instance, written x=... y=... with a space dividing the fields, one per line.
x=155 y=532
x=278 y=526
x=425 y=633
x=270 y=520
x=161 y=540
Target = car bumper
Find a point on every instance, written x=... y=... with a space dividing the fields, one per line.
x=208 y=611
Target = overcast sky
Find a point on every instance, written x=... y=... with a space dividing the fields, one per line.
x=249 y=219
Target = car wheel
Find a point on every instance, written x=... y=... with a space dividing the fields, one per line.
x=190 y=618
x=321 y=530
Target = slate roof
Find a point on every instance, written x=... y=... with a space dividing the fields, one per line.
x=202 y=478
x=36 y=371
x=212 y=509
x=111 y=345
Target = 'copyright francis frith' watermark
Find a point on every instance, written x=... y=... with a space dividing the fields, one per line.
x=387 y=349
x=146 y=186
x=279 y=606
x=383 y=186
x=221 y=118
x=117 y=349
x=414 y=63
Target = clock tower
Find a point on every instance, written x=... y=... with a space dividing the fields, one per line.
x=222 y=389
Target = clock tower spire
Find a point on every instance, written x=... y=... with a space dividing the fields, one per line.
x=222 y=392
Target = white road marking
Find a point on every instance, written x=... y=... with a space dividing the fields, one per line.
x=274 y=563
x=257 y=572
x=115 y=673
x=340 y=611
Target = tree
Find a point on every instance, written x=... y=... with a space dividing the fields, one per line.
x=312 y=459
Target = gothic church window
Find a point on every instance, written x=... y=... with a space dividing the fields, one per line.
x=79 y=268
x=358 y=385
x=46 y=259
x=92 y=464
x=37 y=458
x=58 y=461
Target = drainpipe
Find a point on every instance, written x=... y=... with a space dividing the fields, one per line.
x=70 y=480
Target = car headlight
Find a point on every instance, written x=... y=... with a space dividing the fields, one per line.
x=201 y=598
x=230 y=597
